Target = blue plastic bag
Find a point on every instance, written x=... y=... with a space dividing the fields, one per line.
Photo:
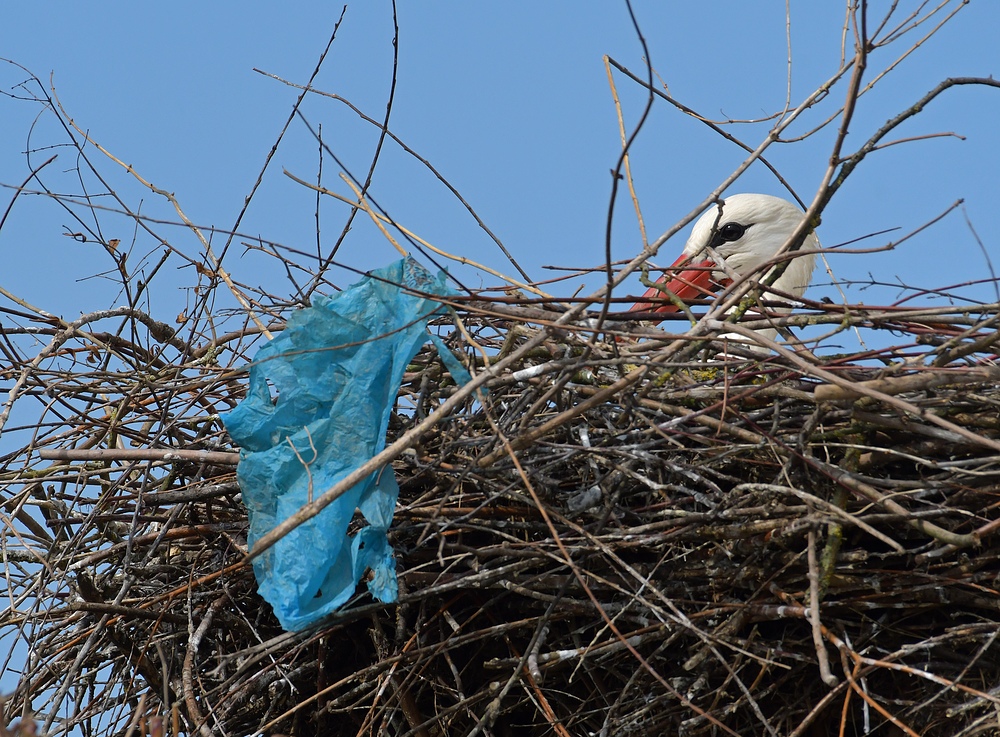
x=336 y=370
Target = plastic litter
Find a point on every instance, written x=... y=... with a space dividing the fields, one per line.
x=317 y=407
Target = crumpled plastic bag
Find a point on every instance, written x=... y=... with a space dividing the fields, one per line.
x=317 y=407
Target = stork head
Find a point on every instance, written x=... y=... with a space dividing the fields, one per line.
x=746 y=230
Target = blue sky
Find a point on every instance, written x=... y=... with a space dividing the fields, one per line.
x=510 y=102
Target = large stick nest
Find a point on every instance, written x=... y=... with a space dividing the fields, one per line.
x=648 y=535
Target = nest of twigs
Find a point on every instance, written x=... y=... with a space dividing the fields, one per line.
x=633 y=536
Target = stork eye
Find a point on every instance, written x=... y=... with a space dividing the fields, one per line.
x=732 y=232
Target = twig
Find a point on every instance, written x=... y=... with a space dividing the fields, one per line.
x=139 y=454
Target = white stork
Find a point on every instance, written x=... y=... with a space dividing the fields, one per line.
x=745 y=231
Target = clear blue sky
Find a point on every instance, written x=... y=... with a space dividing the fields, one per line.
x=509 y=101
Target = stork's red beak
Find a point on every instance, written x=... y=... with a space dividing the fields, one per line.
x=688 y=280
